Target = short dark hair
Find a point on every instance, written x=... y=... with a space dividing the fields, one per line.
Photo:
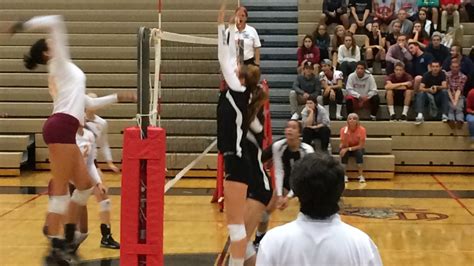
x=402 y=35
x=436 y=62
x=318 y=182
x=415 y=43
x=361 y=63
x=313 y=98
x=400 y=64
x=300 y=126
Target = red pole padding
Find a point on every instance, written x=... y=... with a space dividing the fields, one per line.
x=153 y=150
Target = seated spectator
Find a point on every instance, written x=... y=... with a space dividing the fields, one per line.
x=467 y=66
x=426 y=24
x=332 y=83
x=391 y=38
x=308 y=52
x=431 y=6
x=318 y=236
x=468 y=7
x=410 y=6
x=433 y=88
x=306 y=84
x=374 y=47
x=348 y=55
x=449 y=8
x=322 y=40
x=407 y=25
x=419 y=35
x=398 y=53
x=456 y=81
x=420 y=63
x=383 y=10
x=316 y=123
x=360 y=15
x=334 y=11
x=362 y=91
x=399 y=91
x=436 y=49
x=337 y=40
x=353 y=137
x=470 y=114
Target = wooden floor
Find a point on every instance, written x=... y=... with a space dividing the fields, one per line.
x=413 y=219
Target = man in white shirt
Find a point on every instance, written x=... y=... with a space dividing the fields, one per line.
x=317 y=236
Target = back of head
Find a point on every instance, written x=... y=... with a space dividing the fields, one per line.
x=318 y=182
x=36 y=57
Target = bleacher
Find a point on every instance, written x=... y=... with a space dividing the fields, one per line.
x=102 y=37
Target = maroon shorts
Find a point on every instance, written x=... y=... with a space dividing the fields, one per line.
x=60 y=128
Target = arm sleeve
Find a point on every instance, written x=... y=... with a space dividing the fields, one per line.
x=324 y=117
x=407 y=54
x=227 y=58
x=279 y=172
x=100 y=102
x=389 y=56
x=357 y=55
x=296 y=86
x=317 y=55
x=350 y=88
x=299 y=55
x=103 y=143
x=257 y=43
x=340 y=56
x=55 y=25
x=264 y=254
x=373 y=86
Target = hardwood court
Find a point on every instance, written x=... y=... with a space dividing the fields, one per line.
x=413 y=219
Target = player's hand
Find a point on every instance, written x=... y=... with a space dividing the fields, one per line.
x=102 y=188
x=332 y=95
x=221 y=14
x=282 y=202
x=127 y=96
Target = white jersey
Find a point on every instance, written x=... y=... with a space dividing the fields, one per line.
x=69 y=80
x=328 y=242
x=87 y=144
x=336 y=76
x=99 y=127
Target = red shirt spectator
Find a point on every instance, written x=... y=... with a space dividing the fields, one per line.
x=447 y=2
x=351 y=138
x=308 y=51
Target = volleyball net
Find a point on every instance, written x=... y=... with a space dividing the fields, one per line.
x=144 y=150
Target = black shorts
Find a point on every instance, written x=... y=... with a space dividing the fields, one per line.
x=398 y=97
x=60 y=128
x=336 y=19
x=259 y=183
x=236 y=168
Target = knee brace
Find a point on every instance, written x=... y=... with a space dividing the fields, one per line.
x=236 y=232
x=104 y=206
x=250 y=251
x=81 y=196
x=265 y=217
x=58 y=204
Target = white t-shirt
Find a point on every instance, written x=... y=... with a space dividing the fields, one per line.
x=251 y=40
x=306 y=241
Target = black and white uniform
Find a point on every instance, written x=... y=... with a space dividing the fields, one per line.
x=283 y=160
x=87 y=145
x=232 y=119
x=99 y=127
x=259 y=184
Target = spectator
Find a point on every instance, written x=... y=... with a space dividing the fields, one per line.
x=391 y=38
x=383 y=10
x=470 y=114
x=334 y=11
x=419 y=35
x=353 y=137
x=410 y=6
x=322 y=40
x=306 y=84
x=450 y=8
x=398 y=53
x=407 y=25
x=374 y=46
x=435 y=48
x=337 y=40
x=361 y=91
x=317 y=236
x=249 y=36
x=467 y=66
x=360 y=15
x=433 y=89
x=348 y=55
x=468 y=7
x=456 y=81
x=316 y=123
x=420 y=63
x=426 y=24
x=308 y=52
x=331 y=81
x=431 y=6
x=399 y=91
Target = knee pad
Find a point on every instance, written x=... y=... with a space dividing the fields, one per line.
x=250 y=251
x=265 y=217
x=236 y=232
x=58 y=204
x=81 y=196
x=104 y=205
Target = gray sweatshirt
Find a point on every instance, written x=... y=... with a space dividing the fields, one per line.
x=311 y=86
x=321 y=118
x=364 y=86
